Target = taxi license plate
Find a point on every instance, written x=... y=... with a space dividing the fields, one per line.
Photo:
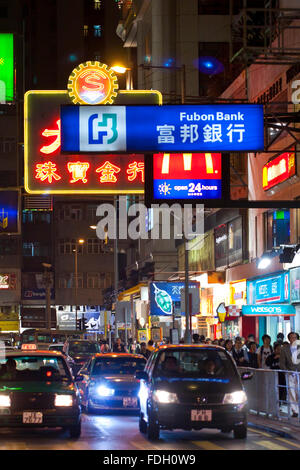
x=201 y=415
x=32 y=417
x=130 y=402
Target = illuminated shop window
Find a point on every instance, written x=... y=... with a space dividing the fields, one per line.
x=97 y=30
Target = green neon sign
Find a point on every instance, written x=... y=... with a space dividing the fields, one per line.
x=6 y=67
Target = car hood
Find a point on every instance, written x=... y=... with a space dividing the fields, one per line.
x=38 y=387
x=118 y=379
x=191 y=386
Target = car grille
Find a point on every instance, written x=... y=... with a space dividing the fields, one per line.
x=32 y=401
x=202 y=399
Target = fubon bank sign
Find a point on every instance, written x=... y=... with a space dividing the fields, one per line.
x=178 y=128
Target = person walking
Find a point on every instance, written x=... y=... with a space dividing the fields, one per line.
x=288 y=361
x=264 y=351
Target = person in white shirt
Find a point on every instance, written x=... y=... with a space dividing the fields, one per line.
x=264 y=351
x=289 y=361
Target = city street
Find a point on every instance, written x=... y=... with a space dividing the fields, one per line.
x=119 y=432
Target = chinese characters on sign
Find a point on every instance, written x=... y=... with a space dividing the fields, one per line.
x=48 y=170
x=194 y=128
x=279 y=170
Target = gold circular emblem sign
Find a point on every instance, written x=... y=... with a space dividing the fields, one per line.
x=92 y=83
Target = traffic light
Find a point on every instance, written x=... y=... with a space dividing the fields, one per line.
x=83 y=323
x=78 y=324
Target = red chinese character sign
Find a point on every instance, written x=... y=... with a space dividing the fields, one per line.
x=49 y=171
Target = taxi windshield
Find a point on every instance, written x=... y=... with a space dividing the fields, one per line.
x=33 y=368
x=118 y=365
x=197 y=363
x=83 y=347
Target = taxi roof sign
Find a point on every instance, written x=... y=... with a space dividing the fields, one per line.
x=29 y=347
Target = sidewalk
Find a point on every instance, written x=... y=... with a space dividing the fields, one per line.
x=282 y=428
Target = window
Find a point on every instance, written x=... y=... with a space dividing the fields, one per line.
x=70 y=213
x=91 y=212
x=62 y=281
x=97 y=30
x=94 y=246
x=67 y=246
x=8 y=145
x=8 y=246
x=35 y=249
x=85 y=30
x=97 y=4
x=93 y=281
x=276 y=228
x=36 y=217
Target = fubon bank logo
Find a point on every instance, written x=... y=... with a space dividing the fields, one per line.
x=92 y=83
x=102 y=131
x=102 y=128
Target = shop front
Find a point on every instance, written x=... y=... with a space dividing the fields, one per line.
x=295 y=295
x=268 y=304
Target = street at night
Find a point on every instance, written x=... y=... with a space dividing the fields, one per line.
x=117 y=432
x=149 y=228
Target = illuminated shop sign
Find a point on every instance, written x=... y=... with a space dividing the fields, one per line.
x=165 y=295
x=6 y=67
x=8 y=281
x=268 y=310
x=178 y=128
x=187 y=175
x=49 y=171
x=279 y=169
x=271 y=289
x=92 y=83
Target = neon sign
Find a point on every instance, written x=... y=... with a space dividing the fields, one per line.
x=92 y=83
x=6 y=67
x=47 y=170
x=279 y=170
x=55 y=145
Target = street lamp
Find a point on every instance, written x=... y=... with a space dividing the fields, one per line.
x=78 y=242
x=124 y=70
x=47 y=280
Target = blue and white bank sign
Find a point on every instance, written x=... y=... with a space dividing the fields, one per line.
x=169 y=128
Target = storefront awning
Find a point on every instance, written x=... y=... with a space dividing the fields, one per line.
x=126 y=294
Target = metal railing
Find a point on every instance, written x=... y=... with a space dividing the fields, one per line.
x=273 y=394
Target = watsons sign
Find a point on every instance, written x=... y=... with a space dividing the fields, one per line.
x=265 y=310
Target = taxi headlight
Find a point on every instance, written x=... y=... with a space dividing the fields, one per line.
x=63 y=400
x=235 y=398
x=5 y=401
x=104 y=391
x=162 y=396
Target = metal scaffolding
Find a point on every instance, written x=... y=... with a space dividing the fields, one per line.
x=258 y=34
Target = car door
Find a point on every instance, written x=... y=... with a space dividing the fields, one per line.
x=145 y=387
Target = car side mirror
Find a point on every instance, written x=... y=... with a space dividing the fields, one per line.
x=142 y=375
x=247 y=375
